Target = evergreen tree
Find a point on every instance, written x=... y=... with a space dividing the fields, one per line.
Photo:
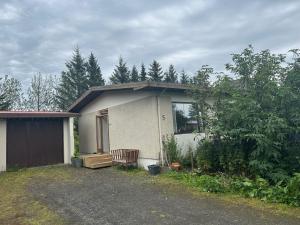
x=184 y=78
x=73 y=81
x=171 y=75
x=94 y=72
x=134 y=76
x=155 y=72
x=143 y=74
x=121 y=73
x=41 y=94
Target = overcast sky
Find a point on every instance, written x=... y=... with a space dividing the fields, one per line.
x=39 y=36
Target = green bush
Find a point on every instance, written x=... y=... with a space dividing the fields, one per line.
x=210 y=184
x=255 y=124
x=171 y=149
x=258 y=188
x=207 y=156
x=188 y=160
x=293 y=190
x=76 y=144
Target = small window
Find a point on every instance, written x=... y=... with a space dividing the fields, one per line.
x=185 y=118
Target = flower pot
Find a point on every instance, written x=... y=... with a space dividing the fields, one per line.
x=175 y=166
x=76 y=162
x=154 y=169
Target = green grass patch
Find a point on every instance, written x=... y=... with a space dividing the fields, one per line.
x=220 y=189
x=17 y=205
x=130 y=170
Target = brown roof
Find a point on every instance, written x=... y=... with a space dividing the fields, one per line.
x=23 y=114
x=94 y=92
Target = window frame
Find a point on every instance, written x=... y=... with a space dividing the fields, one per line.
x=198 y=129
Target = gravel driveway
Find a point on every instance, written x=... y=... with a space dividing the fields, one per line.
x=108 y=196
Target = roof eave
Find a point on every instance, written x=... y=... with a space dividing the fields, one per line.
x=79 y=103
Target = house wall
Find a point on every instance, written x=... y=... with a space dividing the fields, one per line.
x=2 y=145
x=87 y=119
x=139 y=119
x=87 y=133
x=110 y=99
x=166 y=115
x=185 y=141
x=135 y=125
x=68 y=139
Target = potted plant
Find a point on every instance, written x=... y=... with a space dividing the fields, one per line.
x=76 y=160
x=175 y=166
x=173 y=152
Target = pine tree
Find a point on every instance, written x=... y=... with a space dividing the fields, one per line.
x=184 y=78
x=94 y=72
x=73 y=81
x=121 y=73
x=143 y=74
x=171 y=75
x=155 y=72
x=134 y=76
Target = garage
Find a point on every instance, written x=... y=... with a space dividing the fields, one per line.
x=30 y=139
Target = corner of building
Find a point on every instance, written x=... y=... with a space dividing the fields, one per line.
x=68 y=131
x=2 y=145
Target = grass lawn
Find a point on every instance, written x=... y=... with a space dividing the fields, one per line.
x=17 y=205
x=176 y=185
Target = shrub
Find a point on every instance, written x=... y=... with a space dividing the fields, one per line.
x=210 y=184
x=171 y=149
x=255 y=117
x=76 y=144
x=249 y=188
x=293 y=190
x=207 y=156
x=257 y=188
x=188 y=160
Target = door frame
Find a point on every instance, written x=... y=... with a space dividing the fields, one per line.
x=98 y=136
x=99 y=128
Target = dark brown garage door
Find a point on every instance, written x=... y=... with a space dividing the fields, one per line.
x=34 y=142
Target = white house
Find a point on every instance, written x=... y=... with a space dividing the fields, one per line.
x=135 y=116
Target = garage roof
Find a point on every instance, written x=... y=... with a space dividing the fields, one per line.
x=23 y=114
x=94 y=92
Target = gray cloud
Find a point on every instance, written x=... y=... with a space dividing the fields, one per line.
x=39 y=36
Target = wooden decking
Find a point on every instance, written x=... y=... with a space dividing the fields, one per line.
x=94 y=161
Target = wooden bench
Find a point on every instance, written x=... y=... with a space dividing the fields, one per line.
x=125 y=156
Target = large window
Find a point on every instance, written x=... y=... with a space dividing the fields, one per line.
x=185 y=118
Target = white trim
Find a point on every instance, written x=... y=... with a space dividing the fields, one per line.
x=2 y=145
x=159 y=131
x=72 y=144
x=68 y=139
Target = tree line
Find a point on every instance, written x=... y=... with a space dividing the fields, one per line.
x=49 y=93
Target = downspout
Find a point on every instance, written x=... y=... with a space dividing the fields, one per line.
x=159 y=130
